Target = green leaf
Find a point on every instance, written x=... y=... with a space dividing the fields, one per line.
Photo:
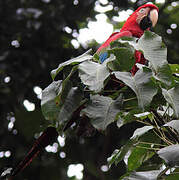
x=174 y=68
x=77 y=60
x=143 y=175
x=144 y=115
x=119 y=155
x=172 y=97
x=173 y=175
x=111 y=160
x=66 y=87
x=174 y=124
x=138 y=156
x=93 y=74
x=150 y=161
x=124 y=59
x=140 y=131
x=127 y=117
x=170 y=154
x=156 y=53
x=72 y=102
x=60 y=99
x=176 y=78
x=128 y=42
x=102 y=111
x=141 y=84
x=60 y=113
x=48 y=105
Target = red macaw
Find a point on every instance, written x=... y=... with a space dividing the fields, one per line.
x=142 y=19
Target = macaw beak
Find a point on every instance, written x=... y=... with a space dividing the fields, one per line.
x=149 y=20
x=153 y=14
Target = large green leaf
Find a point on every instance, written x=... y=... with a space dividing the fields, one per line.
x=143 y=155
x=140 y=131
x=119 y=154
x=102 y=111
x=143 y=175
x=173 y=175
x=60 y=99
x=93 y=74
x=138 y=156
x=66 y=87
x=60 y=113
x=114 y=156
x=156 y=53
x=72 y=102
x=124 y=59
x=84 y=57
x=174 y=68
x=172 y=97
x=170 y=154
x=127 y=117
x=144 y=115
x=141 y=84
x=49 y=108
x=174 y=124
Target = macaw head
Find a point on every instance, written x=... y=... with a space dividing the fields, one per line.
x=142 y=19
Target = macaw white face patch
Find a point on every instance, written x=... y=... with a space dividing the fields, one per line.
x=141 y=14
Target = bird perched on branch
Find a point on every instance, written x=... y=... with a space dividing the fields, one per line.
x=142 y=19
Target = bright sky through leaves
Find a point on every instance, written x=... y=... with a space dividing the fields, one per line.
x=100 y=29
x=75 y=170
x=160 y=1
x=28 y=105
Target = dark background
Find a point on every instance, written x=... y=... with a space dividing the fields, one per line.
x=38 y=27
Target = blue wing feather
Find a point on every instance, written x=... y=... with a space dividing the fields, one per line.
x=103 y=56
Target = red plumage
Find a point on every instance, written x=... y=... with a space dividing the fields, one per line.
x=131 y=28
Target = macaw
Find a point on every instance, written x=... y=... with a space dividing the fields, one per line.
x=142 y=19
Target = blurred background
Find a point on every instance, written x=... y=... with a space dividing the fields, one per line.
x=35 y=36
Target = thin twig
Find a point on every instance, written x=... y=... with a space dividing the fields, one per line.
x=149 y=148
x=165 y=111
x=133 y=98
x=152 y=143
x=162 y=134
x=144 y=122
x=163 y=138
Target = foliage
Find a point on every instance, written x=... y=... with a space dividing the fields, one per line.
x=88 y=88
x=39 y=28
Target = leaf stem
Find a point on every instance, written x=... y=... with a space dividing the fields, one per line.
x=152 y=143
x=144 y=122
x=165 y=111
x=155 y=149
x=133 y=98
x=163 y=137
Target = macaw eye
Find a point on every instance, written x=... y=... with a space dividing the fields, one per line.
x=142 y=10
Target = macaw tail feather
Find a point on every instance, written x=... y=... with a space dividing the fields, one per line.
x=48 y=136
